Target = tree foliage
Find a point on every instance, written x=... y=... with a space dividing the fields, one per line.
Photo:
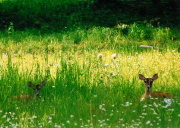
x=45 y=14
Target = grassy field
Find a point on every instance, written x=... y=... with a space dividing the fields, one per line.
x=91 y=77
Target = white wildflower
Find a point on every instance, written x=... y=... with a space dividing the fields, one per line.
x=111 y=73
x=168 y=101
x=106 y=64
x=71 y=116
x=148 y=122
x=114 y=56
x=100 y=56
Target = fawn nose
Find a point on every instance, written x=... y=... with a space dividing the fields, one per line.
x=148 y=86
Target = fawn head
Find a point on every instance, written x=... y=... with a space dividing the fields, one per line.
x=36 y=88
x=148 y=81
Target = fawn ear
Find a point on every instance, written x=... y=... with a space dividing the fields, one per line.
x=141 y=77
x=43 y=83
x=30 y=84
x=155 y=76
x=40 y=85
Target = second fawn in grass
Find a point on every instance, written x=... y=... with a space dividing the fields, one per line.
x=148 y=86
x=27 y=97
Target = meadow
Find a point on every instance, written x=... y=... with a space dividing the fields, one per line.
x=91 y=77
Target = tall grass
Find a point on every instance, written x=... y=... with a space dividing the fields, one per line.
x=121 y=38
x=92 y=77
x=82 y=91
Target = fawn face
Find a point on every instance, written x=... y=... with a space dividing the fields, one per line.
x=36 y=88
x=148 y=81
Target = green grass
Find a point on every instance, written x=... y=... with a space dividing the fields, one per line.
x=86 y=86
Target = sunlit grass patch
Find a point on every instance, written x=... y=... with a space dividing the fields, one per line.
x=103 y=64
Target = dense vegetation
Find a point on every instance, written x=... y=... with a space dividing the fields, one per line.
x=90 y=54
x=58 y=14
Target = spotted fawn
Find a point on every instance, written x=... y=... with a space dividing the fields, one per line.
x=148 y=86
x=27 y=97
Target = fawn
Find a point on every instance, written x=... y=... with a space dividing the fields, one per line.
x=148 y=85
x=27 y=97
